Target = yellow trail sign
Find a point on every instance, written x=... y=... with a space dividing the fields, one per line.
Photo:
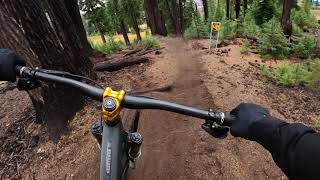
x=215 y=26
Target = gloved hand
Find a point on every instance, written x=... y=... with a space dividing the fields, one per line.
x=8 y=60
x=247 y=115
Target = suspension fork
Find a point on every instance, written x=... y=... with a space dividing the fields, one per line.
x=135 y=141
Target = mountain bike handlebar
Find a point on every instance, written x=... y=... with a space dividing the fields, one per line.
x=131 y=102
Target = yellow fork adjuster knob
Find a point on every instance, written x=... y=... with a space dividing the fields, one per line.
x=111 y=106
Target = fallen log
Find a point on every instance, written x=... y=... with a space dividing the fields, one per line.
x=133 y=52
x=141 y=51
x=116 y=64
x=147 y=51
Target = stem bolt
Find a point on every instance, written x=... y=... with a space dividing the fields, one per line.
x=109 y=104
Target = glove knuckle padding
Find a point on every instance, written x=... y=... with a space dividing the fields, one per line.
x=247 y=114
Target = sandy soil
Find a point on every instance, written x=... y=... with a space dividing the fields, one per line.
x=175 y=146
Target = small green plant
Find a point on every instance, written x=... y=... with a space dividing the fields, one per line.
x=109 y=47
x=306 y=47
x=228 y=29
x=245 y=47
x=290 y=74
x=265 y=71
x=248 y=26
x=150 y=42
x=296 y=30
x=314 y=76
x=272 y=42
x=303 y=17
x=197 y=27
x=287 y=74
x=307 y=74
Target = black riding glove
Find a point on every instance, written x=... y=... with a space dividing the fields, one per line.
x=254 y=123
x=8 y=60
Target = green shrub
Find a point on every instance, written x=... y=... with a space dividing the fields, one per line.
x=197 y=27
x=245 y=47
x=249 y=26
x=306 y=47
x=288 y=74
x=314 y=76
x=307 y=74
x=263 y=11
x=266 y=72
x=303 y=17
x=109 y=47
x=150 y=42
x=296 y=30
x=197 y=31
x=228 y=29
x=272 y=41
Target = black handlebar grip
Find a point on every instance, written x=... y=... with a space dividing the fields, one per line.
x=17 y=69
x=229 y=119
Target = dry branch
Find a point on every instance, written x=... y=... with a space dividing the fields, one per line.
x=147 y=51
x=133 y=52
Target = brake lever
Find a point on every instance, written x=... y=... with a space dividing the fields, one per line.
x=28 y=84
x=215 y=130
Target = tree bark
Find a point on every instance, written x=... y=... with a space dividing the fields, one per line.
x=134 y=20
x=154 y=17
x=237 y=7
x=124 y=33
x=285 y=19
x=103 y=38
x=205 y=10
x=174 y=16
x=123 y=28
x=73 y=10
x=245 y=6
x=181 y=7
x=228 y=9
x=46 y=39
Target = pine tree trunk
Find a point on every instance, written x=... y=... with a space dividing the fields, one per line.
x=205 y=10
x=123 y=28
x=134 y=20
x=181 y=15
x=174 y=16
x=228 y=9
x=46 y=39
x=237 y=7
x=73 y=10
x=154 y=17
x=124 y=33
x=285 y=19
x=102 y=34
x=245 y=6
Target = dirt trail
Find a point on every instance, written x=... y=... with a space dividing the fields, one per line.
x=175 y=146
